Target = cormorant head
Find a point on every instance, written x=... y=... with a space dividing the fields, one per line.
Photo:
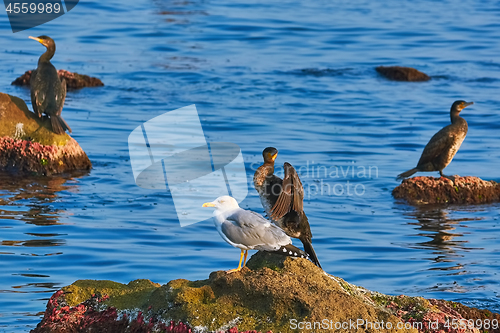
x=45 y=41
x=270 y=154
x=460 y=105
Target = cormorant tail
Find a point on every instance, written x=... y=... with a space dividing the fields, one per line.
x=59 y=126
x=291 y=251
x=308 y=248
x=406 y=174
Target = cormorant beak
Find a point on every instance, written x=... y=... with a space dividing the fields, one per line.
x=273 y=157
x=467 y=104
x=39 y=40
x=208 y=204
x=36 y=38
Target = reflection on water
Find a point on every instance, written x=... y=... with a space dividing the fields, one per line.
x=446 y=237
x=30 y=199
x=442 y=230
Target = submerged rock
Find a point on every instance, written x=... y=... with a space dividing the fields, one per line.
x=73 y=80
x=28 y=145
x=430 y=190
x=274 y=293
x=398 y=73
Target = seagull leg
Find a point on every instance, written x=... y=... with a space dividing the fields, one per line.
x=239 y=266
x=245 y=259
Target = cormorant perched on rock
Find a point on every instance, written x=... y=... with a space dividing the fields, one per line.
x=283 y=200
x=443 y=146
x=48 y=92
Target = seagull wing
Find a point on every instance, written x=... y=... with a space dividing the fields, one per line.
x=251 y=230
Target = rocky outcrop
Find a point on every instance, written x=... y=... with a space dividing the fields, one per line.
x=73 y=80
x=430 y=190
x=398 y=73
x=273 y=293
x=28 y=145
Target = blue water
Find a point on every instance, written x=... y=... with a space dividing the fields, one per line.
x=296 y=75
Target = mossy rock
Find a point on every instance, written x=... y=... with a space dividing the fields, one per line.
x=121 y=296
x=258 y=298
x=29 y=146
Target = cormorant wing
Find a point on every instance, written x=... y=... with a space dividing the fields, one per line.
x=439 y=143
x=61 y=97
x=35 y=100
x=291 y=196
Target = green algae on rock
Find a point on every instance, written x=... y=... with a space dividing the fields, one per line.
x=399 y=73
x=293 y=295
x=431 y=190
x=73 y=80
x=28 y=145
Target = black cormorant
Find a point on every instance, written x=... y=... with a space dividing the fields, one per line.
x=443 y=146
x=283 y=200
x=48 y=92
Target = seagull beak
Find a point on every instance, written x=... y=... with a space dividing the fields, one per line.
x=208 y=204
x=36 y=38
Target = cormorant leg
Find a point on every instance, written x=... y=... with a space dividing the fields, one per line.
x=245 y=259
x=452 y=178
x=239 y=266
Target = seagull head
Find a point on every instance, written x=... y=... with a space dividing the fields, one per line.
x=223 y=204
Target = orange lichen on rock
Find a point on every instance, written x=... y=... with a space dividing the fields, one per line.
x=430 y=190
x=73 y=80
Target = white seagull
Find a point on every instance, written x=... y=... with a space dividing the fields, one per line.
x=248 y=230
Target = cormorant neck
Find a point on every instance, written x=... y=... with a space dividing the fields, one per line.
x=269 y=166
x=455 y=116
x=48 y=54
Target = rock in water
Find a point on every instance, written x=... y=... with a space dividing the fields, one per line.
x=272 y=293
x=430 y=190
x=73 y=80
x=28 y=145
x=398 y=73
